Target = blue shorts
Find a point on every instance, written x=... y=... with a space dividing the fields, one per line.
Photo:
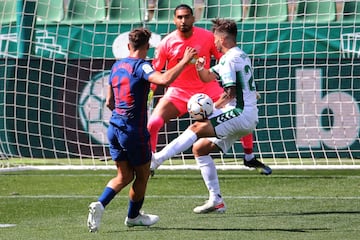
x=127 y=143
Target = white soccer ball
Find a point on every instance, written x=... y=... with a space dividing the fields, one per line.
x=200 y=106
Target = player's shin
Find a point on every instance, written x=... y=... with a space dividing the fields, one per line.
x=248 y=145
x=154 y=125
x=210 y=177
x=178 y=145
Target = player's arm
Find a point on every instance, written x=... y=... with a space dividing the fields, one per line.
x=206 y=75
x=227 y=96
x=110 y=101
x=170 y=75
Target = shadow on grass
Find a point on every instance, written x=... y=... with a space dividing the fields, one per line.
x=298 y=214
x=244 y=229
x=209 y=229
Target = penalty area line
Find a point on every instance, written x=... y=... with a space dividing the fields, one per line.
x=6 y=225
x=186 y=197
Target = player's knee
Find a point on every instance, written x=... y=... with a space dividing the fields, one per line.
x=201 y=148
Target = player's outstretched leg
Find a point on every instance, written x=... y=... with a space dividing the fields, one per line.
x=154 y=165
x=178 y=145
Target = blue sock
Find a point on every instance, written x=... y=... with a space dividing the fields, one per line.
x=134 y=208
x=107 y=195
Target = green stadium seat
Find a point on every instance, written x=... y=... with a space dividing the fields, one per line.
x=223 y=9
x=131 y=11
x=50 y=11
x=316 y=11
x=165 y=9
x=267 y=11
x=351 y=12
x=8 y=11
x=86 y=11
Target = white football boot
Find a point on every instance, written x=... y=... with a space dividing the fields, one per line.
x=142 y=220
x=96 y=210
x=211 y=206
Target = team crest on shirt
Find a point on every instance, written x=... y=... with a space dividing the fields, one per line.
x=147 y=68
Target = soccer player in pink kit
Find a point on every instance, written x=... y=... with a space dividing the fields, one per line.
x=174 y=102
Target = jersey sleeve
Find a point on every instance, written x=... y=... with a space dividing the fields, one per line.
x=228 y=72
x=216 y=70
x=146 y=70
x=160 y=57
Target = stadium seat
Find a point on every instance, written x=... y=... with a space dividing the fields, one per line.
x=267 y=11
x=351 y=12
x=50 y=11
x=126 y=11
x=8 y=11
x=223 y=9
x=165 y=9
x=316 y=11
x=86 y=11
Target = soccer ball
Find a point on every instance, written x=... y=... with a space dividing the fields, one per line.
x=200 y=106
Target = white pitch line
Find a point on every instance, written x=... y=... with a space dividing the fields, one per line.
x=230 y=176
x=6 y=225
x=186 y=197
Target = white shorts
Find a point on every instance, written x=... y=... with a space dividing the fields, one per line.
x=231 y=124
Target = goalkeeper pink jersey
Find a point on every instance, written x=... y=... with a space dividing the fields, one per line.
x=171 y=49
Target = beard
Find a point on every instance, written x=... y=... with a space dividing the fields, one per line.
x=185 y=28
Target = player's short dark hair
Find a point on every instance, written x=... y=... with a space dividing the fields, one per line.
x=139 y=37
x=183 y=6
x=226 y=26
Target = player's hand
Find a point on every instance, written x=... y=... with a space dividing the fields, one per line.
x=200 y=63
x=189 y=54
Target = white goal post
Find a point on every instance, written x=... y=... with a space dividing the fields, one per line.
x=55 y=57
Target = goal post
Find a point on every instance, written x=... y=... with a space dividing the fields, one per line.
x=55 y=58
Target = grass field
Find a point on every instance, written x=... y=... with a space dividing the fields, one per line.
x=286 y=205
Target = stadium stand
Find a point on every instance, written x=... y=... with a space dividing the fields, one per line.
x=268 y=11
x=226 y=9
x=351 y=12
x=129 y=11
x=8 y=11
x=165 y=11
x=316 y=11
x=86 y=11
x=50 y=11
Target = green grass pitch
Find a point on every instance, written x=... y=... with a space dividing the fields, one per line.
x=297 y=204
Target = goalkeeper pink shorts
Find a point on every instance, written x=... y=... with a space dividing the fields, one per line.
x=180 y=97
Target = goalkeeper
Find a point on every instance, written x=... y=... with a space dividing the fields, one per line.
x=236 y=114
x=173 y=103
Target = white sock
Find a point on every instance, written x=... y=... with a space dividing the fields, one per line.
x=210 y=177
x=178 y=145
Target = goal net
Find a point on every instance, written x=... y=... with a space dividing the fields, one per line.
x=55 y=57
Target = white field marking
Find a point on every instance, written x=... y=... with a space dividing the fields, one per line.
x=5 y=225
x=185 y=197
x=194 y=176
x=183 y=167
